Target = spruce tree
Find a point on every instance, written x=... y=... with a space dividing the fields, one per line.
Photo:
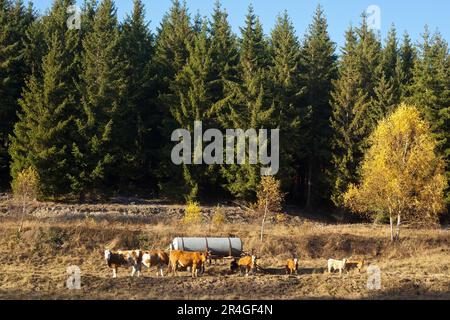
x=319 y=69
x=45 y=130
x=247 y=103
x=138 y=120
x=42 y=135
x=387 y=91
x=407 y=61
x=350 y=103
x=369 y=55
x=15 y=19
x=430 y=89
x=356 y=111
x=173 y=37
x=99 y=148
x=391 y=65
x=224 y=52
x=386 y=98
x=285 y=86
x=193 y=87
x=171 y=53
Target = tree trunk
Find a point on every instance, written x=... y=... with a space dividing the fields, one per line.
x=22 y=216
x=308 y=192
x=397 y=231
x=391 y=221
x=264 y=221
x=82 y=197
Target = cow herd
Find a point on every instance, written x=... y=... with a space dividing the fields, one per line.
x=176 y=260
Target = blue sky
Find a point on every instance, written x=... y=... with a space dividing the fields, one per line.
x=405 y=14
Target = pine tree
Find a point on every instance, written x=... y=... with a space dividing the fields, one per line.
x=369 y=54
x=138 y=119
x=286 y=90
x=356 y=111
x=319 y=69
x=193 y=87
x=391 y=66
x=350 y=103
x=407 y=61
x=87 y=15
x=174 y=35
x=100 y=146
x=224 y=52
x=246 y=104
x=42 y=134
x=15 y=18
x=386 y=98
x=39 y=36
x=171 y=53
x=35 y=47
x=430 y=89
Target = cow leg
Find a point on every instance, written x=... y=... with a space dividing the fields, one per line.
x=114 y=272
x=133 y=271
x=174 y=269
x=138 y=271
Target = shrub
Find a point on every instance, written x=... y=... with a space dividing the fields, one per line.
x=25 y=189
x=218 y=218
x=280 y=218
x=192 y=213
x=25 y=185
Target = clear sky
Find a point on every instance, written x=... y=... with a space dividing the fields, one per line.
x=410 y=15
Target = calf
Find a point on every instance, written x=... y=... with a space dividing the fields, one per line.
x=194 y=260
x=292 y=266
x=124 y=258
x=336 y=265
x=247 y=264
x=155 y=258
x=354 y=264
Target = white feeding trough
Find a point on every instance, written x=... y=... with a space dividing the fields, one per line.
x=218 y=247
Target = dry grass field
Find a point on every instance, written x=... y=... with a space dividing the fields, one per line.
x=33 y=263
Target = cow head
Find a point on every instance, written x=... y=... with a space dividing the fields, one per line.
x=205 y=256
x=107 y=255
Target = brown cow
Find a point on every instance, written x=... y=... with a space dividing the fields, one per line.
x=184 y=259
x=354 y=264
x=247 y=264
x=292 y=266
x=124 y=258
x=155 y=258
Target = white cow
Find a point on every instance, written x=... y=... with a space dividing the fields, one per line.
x=336 y=265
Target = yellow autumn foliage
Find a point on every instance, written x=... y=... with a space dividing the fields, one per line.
x=192 y=213
x=25 y=186
x=401 y=174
